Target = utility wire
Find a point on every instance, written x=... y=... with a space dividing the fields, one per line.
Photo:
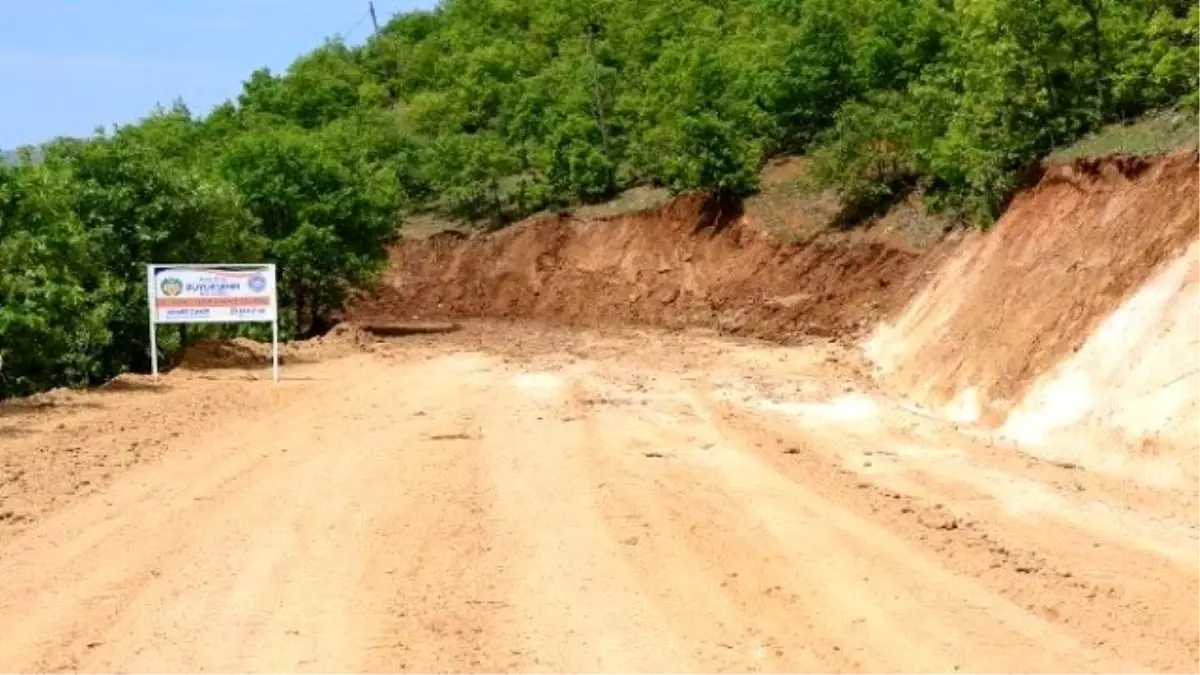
x=361 y=19
x=371 y=14
x=386 y=14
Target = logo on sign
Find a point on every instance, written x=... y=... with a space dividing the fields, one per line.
x=257 y=283
x=171 y=287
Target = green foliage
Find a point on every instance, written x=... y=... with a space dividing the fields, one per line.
x=577 y=102
x=324 y=205
x=865 y=153
x=488 y=110
x=465 y=171
x=54 y=298
x=1012 y=80
x=704 y=151
x=137 y=206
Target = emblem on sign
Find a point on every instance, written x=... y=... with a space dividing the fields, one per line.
x=257 y=283
x=171 y=287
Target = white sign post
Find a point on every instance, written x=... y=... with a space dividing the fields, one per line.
x=213 y=294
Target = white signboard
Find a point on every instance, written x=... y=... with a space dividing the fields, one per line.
x=213 y=294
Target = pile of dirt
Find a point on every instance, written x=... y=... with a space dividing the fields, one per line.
x=1010 y=305
x=690 y=263
x=344 y=337
x=243 y=353
x=237 y=353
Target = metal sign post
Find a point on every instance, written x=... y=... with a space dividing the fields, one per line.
x=274 y=345
x=212 y=294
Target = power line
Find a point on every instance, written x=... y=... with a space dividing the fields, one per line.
x=388 y=14
x=374 y=15
x=346 y=34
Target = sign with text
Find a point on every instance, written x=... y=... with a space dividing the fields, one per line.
x=213 y=294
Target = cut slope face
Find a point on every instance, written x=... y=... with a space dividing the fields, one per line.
x=1078 y=309
x=1133 y=383
x=687 y=263
x=1012 y=304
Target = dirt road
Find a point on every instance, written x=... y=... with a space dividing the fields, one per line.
x=510 y=499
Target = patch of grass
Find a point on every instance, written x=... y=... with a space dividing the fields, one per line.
x=426 y=224
x=1156 y=133
x=435 y=219
x=630 y=201
x=789 y=205
x=911 y=221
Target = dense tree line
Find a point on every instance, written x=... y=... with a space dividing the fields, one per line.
x=78 y=226
x=489 y=110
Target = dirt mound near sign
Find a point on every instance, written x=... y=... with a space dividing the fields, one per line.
x=343 y=338
x=344 y=334
x=690 y=263
x=244 y=353
x=237 y=353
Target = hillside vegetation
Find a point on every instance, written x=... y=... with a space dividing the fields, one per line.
x=489 y=110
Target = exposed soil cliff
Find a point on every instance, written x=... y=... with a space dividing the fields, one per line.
x=1009 y=305
x=1087 y=275
x=687 y=263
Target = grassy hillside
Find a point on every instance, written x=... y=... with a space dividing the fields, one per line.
x=1159 y=132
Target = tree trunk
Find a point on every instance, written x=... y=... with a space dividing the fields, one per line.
x=298 y=300
x=597 y=100
x=1094 y=9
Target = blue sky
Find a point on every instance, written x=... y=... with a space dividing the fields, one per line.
x=68 y=66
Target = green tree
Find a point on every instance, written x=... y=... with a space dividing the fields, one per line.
x=55 y=298
x=138 y=207
x=324 y=207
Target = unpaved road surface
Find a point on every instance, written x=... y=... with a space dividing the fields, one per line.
x=513 y=499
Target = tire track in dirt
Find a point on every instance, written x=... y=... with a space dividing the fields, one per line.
x=692 y=556
x=492 y=503
x=262 y=554
x=1051 y=569
x=443 y=606
x=576 y=603
x=812 y=578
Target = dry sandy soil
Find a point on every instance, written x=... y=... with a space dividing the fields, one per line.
x=525 y=499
